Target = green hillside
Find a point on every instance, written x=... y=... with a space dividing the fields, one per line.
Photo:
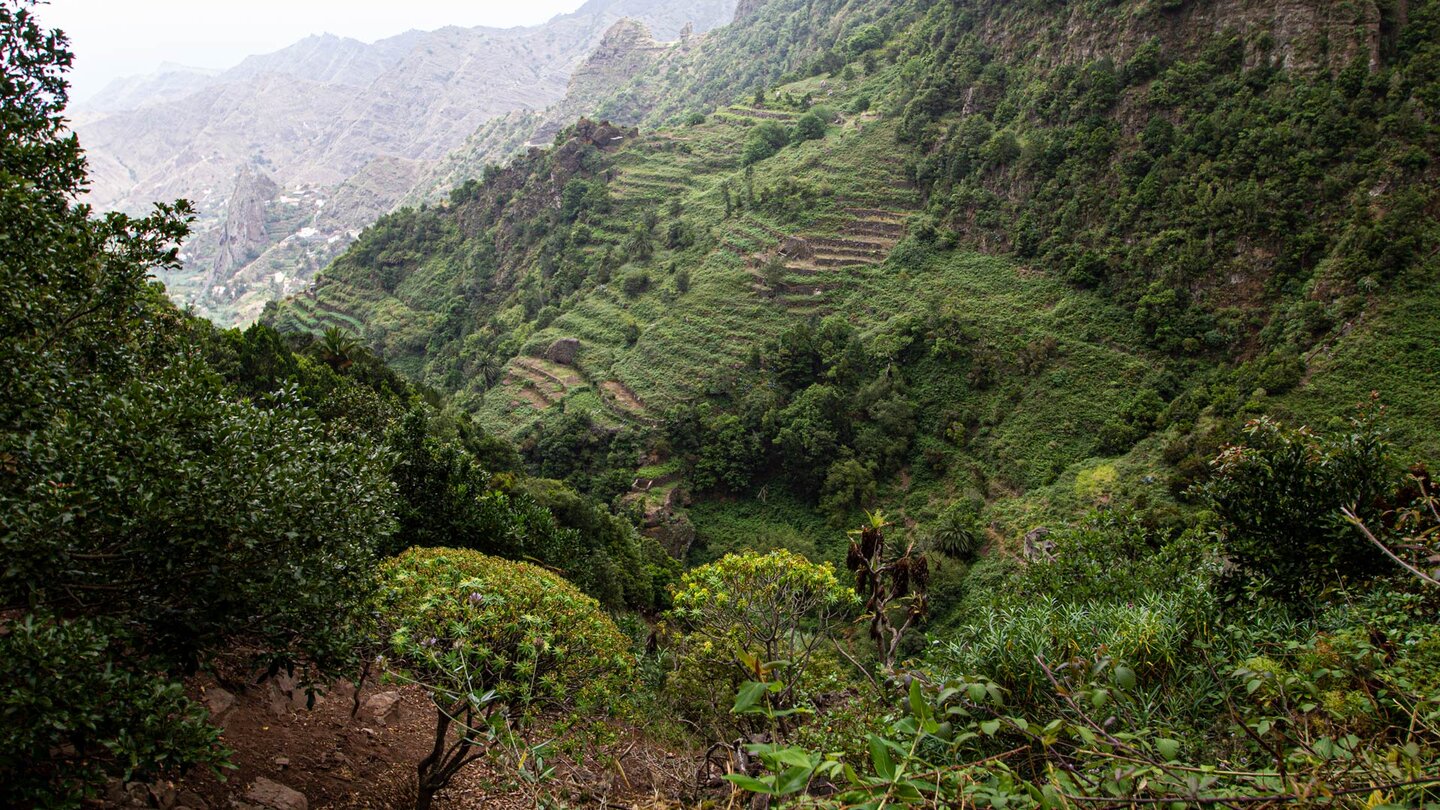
x=1052 y=253
x=902 y=403
x=1103 y=312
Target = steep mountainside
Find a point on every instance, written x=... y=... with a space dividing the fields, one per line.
x=342 y=126
x=1042 y=257
x=629 y=81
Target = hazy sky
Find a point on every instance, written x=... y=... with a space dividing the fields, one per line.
x=113 y=38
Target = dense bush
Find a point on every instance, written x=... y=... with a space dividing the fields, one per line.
x=1278 y=496
x=764 y=140
x=154 y=515
x=69 y=716
x=487 y=636
x=753 y=617
x=168 y=507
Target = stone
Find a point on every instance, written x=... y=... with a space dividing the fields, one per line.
x=267 y=793
x=218 y=700
x=383 y=706
x=1037 y=546
x=163 y=795
x=341 y=691
x=193 y=800
x=563 y=351
x=278 y=699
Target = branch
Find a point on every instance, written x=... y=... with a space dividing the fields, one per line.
x=1350 y=516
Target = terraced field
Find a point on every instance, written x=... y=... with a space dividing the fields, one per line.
x=647 y=346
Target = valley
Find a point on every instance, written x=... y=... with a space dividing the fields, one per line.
x=824 y=404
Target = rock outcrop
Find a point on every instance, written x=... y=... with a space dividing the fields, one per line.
x=563 y=351
x=243 y=228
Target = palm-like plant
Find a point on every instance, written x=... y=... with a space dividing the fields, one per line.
x=957 y=531
x=337 y=348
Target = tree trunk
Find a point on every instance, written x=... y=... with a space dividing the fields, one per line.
x=430 y=770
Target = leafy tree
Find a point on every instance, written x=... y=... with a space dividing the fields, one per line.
x=809 y=127
x=808 y=434
x=866 y=38
x=635 y=283
x=756 y=617
x=496 y=644
x=764 y=140
x=729 y=456
x=337 y=349
x=151 y=517
x=1278 y=497
x=849 y=485
x=196 y=519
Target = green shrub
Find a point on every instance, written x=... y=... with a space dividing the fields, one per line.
x=495 y=643
x=763 y=141
x=74 y=708
x=1278 y=497
x=752 y=617
x=809 y=127
x=958 y=531
x=513 y=627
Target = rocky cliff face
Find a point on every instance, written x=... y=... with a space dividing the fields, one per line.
x=626 y=51
x=243 y=231
x=351 y=125
x=1301 y=35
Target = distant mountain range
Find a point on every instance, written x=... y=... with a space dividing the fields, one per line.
x=288 y=155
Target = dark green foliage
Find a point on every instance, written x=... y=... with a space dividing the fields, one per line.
x=849 y=486
x=957 y=531
x=867 y=38
x=1116 y=554
x=729 y=454
x=194 y=517
x=764 y=140
x=1227 y=159
x=635 y=282
x=1278 y=495
x=154 y=516
x=69 y=716
x=609 y=559
x=810 y=126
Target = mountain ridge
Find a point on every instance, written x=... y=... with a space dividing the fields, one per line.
x=315 y=114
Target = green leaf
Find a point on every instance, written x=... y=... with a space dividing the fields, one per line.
x=918 y=706
x=748 y=696
x=793 y=757
x=749 y=783
x=880 y=758
x=990 y=727
x=1125 y=677
x=792 y=780
x=1168 y=748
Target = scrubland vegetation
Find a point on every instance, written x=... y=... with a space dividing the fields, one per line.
x=1083 y=341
